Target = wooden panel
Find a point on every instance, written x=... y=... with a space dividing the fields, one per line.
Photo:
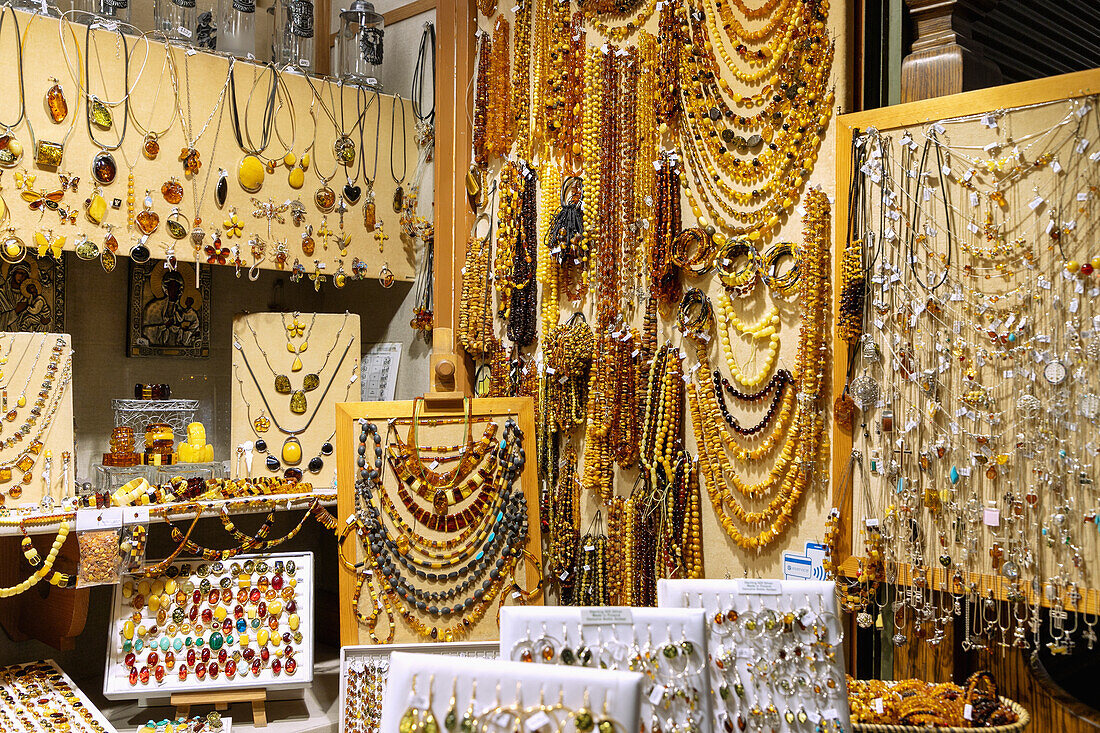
x=408 y=10
x=521 y=408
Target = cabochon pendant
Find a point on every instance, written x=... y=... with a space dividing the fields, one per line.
x=282 y=384
x=221 y=191
x=250 y=173
x=292 y=451
x=104 y=168
x=151 y=147
x=11 y=150
x=298 y=402
x=325 y=198
x=108 y=260
x=398 y=199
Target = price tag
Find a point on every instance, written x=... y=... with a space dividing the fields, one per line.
x=657 y=695
x=832 y=714
x=973 y=198
x=968 y=712
x=185 y=32
x=606 y=616
x=1035 y=203
x=304 y=63
x=92 y=519
x=991 y=517
x=419 y=701
x=753 y=586
x=879 y=708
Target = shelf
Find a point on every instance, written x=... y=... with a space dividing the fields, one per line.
x=9 y=521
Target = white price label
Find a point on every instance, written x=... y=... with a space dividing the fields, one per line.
x=968 y=712
x=879 y=708
x=756 y=587
x=657 y=695
x=606 y=616
x=538 y=721
x=185 y=32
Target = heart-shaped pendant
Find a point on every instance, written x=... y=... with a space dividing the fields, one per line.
x=352 y=193
x=147 y=221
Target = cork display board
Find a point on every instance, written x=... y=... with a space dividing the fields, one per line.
x=36 y=369
x=160 y=78
x=276 y=406
x=482 y=413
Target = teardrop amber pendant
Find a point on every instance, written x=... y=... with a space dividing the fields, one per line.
x=297 y=365
x=298 y=402
x=282 y=384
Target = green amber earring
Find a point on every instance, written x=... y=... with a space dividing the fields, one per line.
x=450 y=720
x=428 y=723
x=411 y=721
x=468 y=724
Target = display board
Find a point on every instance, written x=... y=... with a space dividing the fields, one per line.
x=201 y=90
x=970 y=464
x=667 y=645
x=258 y=610
x=31 y=688
x=364 y=671
x=36 y=400
x=775 y=648
x=501 y=692
x=486 y=505
x=289 y=372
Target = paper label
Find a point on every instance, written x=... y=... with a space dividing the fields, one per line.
x=879 y=708
x=136 y=515
x=419 y=702
x=757 y=587
x=991 y=517
x=185 y=32
x=606 y=616
x=657 y=695
x=92 y=519
x=538 y=721
x=832 y=714
x=968 y=712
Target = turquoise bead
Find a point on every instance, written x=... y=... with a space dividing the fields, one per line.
x=177 y=644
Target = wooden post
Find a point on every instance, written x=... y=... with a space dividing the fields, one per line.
x=944 y=59
x=456 y=23
x=322 y=21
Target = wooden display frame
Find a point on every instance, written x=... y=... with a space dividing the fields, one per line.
x=1040 y=91
x=521 y=408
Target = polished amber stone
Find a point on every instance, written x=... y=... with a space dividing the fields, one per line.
x=104 y=168
x=151 y=147
x=297 y=406
x=101 y=115
x=48 y=154
x=325 y=198
x=55 y=101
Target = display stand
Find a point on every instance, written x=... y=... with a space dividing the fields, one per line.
x=354 y=660
x=650 y=640
x=778 y=643
x=330 y=359
x=221 y=701
x=275 y=621
x=481 y=411
x=426 y=681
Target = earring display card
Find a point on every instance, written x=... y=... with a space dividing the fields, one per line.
x=364 y=670
x=37 y=694
x=197 y=625
x=37 y=402
x=668 y=645
x=290 y=370
x=775 y=649
x=496 y=695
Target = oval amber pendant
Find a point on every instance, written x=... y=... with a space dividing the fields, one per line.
x=151 y=147
x=55 y=101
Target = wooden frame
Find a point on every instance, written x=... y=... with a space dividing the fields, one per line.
x=522 y=408
x=1040 y=91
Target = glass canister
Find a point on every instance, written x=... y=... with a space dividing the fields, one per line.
x=293 y=35
x=237 y=27
x=177 y=19
x=359 y=43
x=35 y=6
x=107 y=9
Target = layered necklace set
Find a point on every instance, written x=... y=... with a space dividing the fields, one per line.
x=967 y=298
x=450 y=543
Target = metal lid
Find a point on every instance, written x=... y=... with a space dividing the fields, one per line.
x=362 y=12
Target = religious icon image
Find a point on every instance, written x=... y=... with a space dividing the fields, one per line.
x=168 y=316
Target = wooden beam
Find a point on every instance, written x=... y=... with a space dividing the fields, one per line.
x=456 y=24
x=322 y=20
x=409 y=10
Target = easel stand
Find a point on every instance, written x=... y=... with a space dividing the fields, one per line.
x=221 y=701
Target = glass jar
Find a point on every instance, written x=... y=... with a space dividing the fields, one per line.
x=177 y=19
x=293 y=35
x=359 y=44
x=107 y=9
x=53 y=10
x=237 y=27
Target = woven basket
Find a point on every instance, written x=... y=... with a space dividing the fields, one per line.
x=1022 y=721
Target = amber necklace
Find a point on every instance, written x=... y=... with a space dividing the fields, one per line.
x=151 y=138
x=294 y=330
x=250 y=171
x=49 y=154
x=310 y=381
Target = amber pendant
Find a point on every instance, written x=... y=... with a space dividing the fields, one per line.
x=282 y=384
x=190 y=159
x=48 y=154
x=147 y=221
x=344 y=150
x=398 y=199
x=308 y=245
x=325 y=198
x=172 y=191
x=55 y=102
x=104 y=168
x=221 y=191
x=369 y=215
x=101 y=115
x=11 y=150
x=310 y=382
x=298 y=402
x=107 y=260
x=175 y=229
x=151 y=147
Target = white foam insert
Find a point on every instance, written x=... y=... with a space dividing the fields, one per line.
x=747 y=594
x=616 y=630
x=525 y=683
